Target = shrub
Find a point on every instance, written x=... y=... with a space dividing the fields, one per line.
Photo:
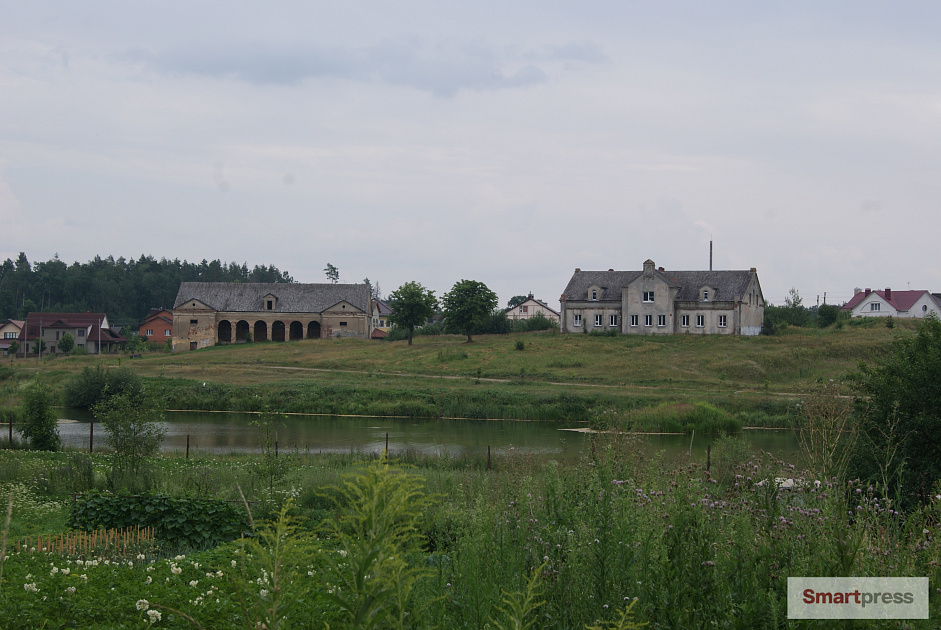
x=94 y=385
x=39 y=420
x=194 y=523
x=66 y=344
x=134 y=434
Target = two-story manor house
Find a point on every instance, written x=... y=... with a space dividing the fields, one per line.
x=659 y=302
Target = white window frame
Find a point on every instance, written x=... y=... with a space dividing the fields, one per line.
x=649 y=296
x=634 y=320
x=149 y=332
x=597 y=320
x=705 y=295
x=648 y=320
x=684 y=321
x=576 y=320
x=613 y=320
x=594 y=295
x=167 y=333
x=700 y=321
x=875 y=306
x=661 y=321
x=723 y=321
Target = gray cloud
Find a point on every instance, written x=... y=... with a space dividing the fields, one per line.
x=443 y=69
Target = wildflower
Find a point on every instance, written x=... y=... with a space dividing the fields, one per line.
x=140 y=556
x=142 y=604
x=175 y=570
x=193 y=583
x=30 y=587
x=70 y=590
x=66 y=571
x=149 y=580
x=154 y=615
x=233 y=564
x=263 y=592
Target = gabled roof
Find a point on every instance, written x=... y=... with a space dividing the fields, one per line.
x=901 y=301
x=382 y=308
x=729 y=285
x=90 y=321
x=534 y=301
x=292 y=297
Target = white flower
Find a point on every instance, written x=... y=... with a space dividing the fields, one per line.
x=233 y=564
x=149 y=580
x=54 y=571
x=154 y=615
x=175 y=570
x=141 y=556
x=30 y=588
x=193 y=583
x=66 y=571
x=142 y=604
x=263 y=592
x=70 y=590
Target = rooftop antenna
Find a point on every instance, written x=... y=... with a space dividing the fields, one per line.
x=710 y=254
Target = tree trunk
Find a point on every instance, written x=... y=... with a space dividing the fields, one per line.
x=469 y=340
x=410 y=330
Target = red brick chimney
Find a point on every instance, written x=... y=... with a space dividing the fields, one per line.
x=868 y=290
x=888 y=294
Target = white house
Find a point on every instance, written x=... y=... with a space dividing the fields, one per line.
x=909 y=304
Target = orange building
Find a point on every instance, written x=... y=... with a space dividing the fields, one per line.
x=158 y=327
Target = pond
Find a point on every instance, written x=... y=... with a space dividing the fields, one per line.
x=239 y=432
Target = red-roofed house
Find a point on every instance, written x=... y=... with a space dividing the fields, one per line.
x=158 y=327
x=89 y=330
x=869 y=303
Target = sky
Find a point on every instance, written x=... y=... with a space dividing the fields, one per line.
x=504 y=142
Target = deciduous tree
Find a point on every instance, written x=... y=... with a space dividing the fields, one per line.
x=467 y=304
x=412 y=305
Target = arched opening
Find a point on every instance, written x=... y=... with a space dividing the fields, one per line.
x=225 y=331
x=297 y=331
x=242 y=332
x=277 y=331
x=261 y=331
x=313 y=330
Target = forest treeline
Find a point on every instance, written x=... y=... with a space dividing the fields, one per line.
x=123 y=289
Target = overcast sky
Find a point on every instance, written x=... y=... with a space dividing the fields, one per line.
x=505 y=142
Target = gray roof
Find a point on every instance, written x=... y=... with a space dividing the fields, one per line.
x=291 y=297
x=728 y=285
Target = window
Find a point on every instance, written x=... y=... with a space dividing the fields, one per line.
x=700 y=321
x=613 y=320
x=576 y=320
x=648 y=320
x=269 y=305
x=193 y=322
x=924 y=308
x=81 y=345
x=597 y=320
x=81 y=332
x=594 y=294
x=661 y=320
x=875 y=306
x=705 y=295
x=149 y=332
x=722 y=321
x=684 y=321
x=648 y=296
x=342 y=324
x=10 y=335
x=633 y=320
x=382 y=323
x=167 y=333
x=524 y=309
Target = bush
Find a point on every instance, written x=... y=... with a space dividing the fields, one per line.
x=39 y=420
x=94 y=385
x=134 y=434
x=193 y=523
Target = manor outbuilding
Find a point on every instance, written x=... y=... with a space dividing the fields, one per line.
x=211 y=313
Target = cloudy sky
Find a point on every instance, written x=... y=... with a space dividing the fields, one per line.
x=505 y=142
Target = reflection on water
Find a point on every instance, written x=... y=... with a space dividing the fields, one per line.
x=237 y=432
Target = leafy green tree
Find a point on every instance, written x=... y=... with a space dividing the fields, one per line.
x=133 y=424
x=39 y=419
x=39 y=346
x=899 y=446
x=468 y=304
x=333 y=274
x=14 y=347
x=795 y=313
x=412 y=305
x=66 y=344
x=827 y=314
x=516 y=300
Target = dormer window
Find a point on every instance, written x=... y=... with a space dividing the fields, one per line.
x=269 y=305
x=705 y=295
x=270 y=302
x=594 y=294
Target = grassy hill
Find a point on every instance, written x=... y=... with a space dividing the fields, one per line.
x=526 y=376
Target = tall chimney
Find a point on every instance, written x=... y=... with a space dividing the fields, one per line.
x=868 y=291
x=888 y=294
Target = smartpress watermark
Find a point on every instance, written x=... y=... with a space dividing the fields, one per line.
x=857 y=598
